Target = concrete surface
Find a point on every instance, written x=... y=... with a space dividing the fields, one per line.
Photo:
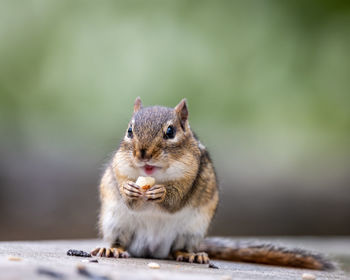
x=51 y=255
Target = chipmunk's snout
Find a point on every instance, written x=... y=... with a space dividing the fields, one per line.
x=142 y=154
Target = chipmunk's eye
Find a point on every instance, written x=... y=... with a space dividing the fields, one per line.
x=130 y=132
x=170 y=132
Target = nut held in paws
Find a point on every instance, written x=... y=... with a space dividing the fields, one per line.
x=145 y=182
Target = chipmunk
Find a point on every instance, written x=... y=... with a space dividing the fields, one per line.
x=170 y=220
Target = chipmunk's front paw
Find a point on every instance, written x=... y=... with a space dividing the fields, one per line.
x=200 y=257
x=131 y=190
x=116 y=252
x=156 y=193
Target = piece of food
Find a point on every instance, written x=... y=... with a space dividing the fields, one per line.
x=145 y=182
x=78 y=253
x=12 y=258
x=308 y=276
x=90 y=261
x=153 y=265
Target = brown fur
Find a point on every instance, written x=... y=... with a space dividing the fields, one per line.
x=197 y=187
x=227 y=249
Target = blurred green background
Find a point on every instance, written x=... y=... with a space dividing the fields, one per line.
x=267 y=83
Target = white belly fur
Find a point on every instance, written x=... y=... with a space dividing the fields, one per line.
x=153 y=231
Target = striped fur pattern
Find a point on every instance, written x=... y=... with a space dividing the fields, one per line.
x=263 y=253
x=175 y=222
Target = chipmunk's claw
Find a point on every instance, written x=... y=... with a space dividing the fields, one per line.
x=131 y=190
x=156 y=193
x=200 y=257
x=115 y=252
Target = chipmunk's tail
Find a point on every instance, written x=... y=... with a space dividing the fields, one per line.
x=230 y=250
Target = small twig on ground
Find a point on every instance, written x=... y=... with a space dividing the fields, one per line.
x=83 y=271
x=78 y=253
x=211 y=265
x=51 y=273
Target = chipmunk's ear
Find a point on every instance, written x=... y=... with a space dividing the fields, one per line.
x=137 y=104
x=182 y=111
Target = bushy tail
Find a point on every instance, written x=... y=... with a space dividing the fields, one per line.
x=227 y=249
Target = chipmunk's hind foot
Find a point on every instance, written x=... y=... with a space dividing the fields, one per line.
x=200 y=257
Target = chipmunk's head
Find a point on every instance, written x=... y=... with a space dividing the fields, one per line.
x=157 y=138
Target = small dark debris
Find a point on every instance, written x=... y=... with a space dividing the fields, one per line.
x=84 y=272
x=211 y=265
x=50 y=273
x=78 y=253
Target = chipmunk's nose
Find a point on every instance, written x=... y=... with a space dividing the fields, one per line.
x=142 y=154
